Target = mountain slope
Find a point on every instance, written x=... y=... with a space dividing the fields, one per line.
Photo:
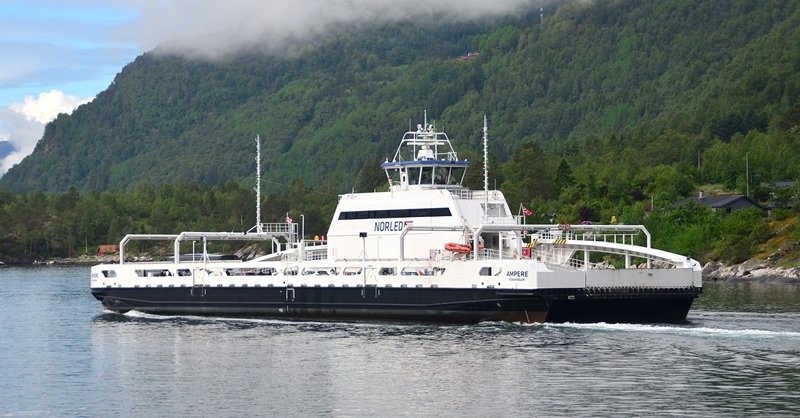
x=325 y=109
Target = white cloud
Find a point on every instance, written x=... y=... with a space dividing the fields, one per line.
x=22 y=133
x=48 y=105
x=22 y=124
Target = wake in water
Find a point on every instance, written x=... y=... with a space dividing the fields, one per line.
x=682 y=330
x=726 y=325
x=319 y=325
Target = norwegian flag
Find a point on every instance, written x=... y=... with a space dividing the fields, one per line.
x=525 y=211
x=288 y=219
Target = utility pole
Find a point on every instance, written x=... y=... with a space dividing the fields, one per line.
x=747 y=174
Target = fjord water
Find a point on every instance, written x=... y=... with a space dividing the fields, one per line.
x=61 y=354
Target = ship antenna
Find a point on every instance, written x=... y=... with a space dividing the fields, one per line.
x=485 y=165
x=541 y=11
x=258 y=184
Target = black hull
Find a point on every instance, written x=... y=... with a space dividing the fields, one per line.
x=411 y=304
x=404 y=304
x=616 y=310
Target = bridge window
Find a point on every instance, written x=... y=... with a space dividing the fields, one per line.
x=413 y=175
x=440 y=175
x=456 y=175
x=427 y=175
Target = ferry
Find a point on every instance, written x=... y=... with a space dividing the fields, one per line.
x=426 y=249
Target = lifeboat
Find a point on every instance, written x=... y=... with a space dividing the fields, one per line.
x=458 y=248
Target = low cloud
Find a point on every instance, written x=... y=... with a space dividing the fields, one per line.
x=19 y=132
x=48 y=105
x=22 y=124
x=213 y=29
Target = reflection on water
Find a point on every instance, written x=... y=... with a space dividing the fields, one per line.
x=737 y=355
x=750 y=297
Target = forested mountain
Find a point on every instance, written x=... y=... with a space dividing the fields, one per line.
x=603 y=109
x=665 y=78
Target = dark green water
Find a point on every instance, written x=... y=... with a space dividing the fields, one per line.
x=61 y=355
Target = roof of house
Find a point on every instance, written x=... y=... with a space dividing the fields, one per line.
x=716 y=202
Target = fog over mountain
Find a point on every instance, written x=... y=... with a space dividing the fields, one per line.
x=214 y=29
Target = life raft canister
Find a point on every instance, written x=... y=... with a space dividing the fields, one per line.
x=457 y=248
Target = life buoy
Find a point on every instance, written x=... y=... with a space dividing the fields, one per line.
x=457 y=248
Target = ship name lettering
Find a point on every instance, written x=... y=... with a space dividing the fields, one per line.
x=389 y=226
x=517 y=273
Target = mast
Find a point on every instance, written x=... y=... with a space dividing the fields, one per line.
x=258 y=184
x=485 y=167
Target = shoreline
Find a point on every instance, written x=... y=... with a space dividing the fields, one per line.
x=752 y=271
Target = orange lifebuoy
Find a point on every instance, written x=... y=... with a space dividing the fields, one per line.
x=457 y=248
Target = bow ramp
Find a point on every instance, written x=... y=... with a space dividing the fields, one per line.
x=591 y=247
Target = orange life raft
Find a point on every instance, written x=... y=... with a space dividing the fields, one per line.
x=458 y=248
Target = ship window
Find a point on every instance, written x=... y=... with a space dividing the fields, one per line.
x=244 y=272
x=184 y=272
x=417 y=271
x=440 y=175
x=351 y=271
x=400 y=213
x=395 y=213
x=485 y=271
x=456 y=174
x=109 y=273
x=290 y=271
x=387 y=271
x=413 y=175
x=153 y=273
x=320 y=271
x=427 y=175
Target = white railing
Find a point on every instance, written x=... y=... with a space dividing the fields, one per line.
x=279 y=228
x=612 y=236
x=466 y=194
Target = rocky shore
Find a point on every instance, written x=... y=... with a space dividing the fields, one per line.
x=758 y=271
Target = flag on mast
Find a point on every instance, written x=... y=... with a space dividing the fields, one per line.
x=525 y=211
x=288 y=219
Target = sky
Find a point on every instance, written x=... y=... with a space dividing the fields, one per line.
x=58 y=54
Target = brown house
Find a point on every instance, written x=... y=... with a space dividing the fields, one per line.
x=106 y=249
